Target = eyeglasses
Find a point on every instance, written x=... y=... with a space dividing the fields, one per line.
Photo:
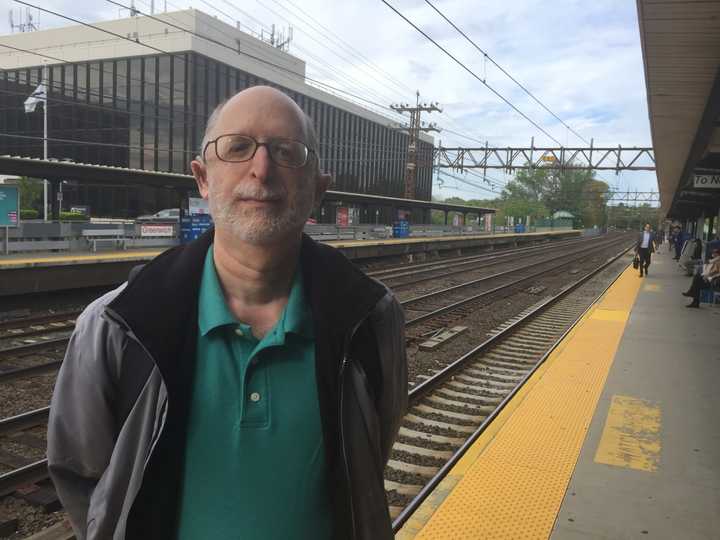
x=283 y=152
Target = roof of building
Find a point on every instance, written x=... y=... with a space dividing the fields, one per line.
x=681 y=56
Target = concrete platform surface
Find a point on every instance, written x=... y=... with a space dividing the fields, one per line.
x=650 y=465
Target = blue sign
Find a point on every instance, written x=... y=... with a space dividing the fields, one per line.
x=401 y=229
x=9 y=206
x=193 y=226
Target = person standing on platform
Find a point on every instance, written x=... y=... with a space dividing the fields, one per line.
x=249 y=384
x=644 y=247
x=710 y=272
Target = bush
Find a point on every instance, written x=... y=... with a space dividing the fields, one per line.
x=28 y=213
x=73 y=216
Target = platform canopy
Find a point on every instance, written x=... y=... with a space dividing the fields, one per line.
x=681 y=56
x=118 y=176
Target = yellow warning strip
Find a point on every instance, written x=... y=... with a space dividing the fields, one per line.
x=82 y=259
x=631 y=436
x=512 y=482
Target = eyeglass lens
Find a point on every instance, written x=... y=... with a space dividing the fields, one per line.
x=284 y=152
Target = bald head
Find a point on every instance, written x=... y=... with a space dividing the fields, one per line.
x=260 y=106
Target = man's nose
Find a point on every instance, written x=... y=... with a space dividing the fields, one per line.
x=261 y=163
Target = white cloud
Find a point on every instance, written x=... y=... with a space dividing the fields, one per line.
x=582 y=59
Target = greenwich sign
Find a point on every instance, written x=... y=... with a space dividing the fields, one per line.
x=711 y=181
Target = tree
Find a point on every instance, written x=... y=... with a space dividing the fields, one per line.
x=542 y=191
x=30 y=192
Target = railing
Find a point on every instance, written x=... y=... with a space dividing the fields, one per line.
x=73 y=236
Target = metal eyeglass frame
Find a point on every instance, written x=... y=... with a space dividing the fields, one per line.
x=258 y=144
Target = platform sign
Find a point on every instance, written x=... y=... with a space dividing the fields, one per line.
x=9 y=206
x=150 y=229
x=197 y=205
x=706 y=181
x=342 y=217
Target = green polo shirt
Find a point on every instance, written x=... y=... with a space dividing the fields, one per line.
x=255 y=463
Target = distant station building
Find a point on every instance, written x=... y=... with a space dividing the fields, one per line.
x=116 y=100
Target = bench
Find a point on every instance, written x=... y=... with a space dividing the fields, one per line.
x=116 y=237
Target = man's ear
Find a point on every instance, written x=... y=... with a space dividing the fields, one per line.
x=199 y=170
x=323 y=181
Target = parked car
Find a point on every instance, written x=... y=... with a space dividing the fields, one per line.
x=168 y=214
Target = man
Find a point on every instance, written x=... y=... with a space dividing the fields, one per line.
x=710 y=272
x=644 y=246
x=247 y=385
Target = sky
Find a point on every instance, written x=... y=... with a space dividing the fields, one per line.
x=582 y=59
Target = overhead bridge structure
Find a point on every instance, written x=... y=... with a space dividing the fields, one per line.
x=616 y=159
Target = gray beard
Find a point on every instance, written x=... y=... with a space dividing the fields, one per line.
x=255 y=225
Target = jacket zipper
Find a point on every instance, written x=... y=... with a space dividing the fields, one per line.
x=341 y=377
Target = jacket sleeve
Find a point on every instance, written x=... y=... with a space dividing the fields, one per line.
x=81 y=426
x=393 y=398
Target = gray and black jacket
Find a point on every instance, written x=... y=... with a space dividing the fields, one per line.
x=119 y=412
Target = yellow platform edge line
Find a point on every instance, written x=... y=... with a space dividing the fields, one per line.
x=69 y=259
x=485 y=508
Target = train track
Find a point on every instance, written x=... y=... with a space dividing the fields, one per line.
x=451 y=408
x=28 y=326
x=455 y=302
x=398 y=278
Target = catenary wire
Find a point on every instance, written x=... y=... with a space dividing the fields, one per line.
x=471 y=72
x=487 y=56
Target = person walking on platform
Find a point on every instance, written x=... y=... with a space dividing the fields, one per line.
x=644 y=247
x=249 y=384
x=710 y=272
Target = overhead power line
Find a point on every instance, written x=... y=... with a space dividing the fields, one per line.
x=471 y=72
x=488 y=57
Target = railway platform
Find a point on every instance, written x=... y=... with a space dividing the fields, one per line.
x=42 y=272
x=615 y=436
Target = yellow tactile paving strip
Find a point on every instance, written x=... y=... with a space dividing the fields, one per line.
x=512 y=482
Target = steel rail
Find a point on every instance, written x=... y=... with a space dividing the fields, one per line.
x=469 y=299
x=31 y=347
x=22 y=372
x=422 y=389
x=25 y=420
x=40 y=319
x=400 y=271
x=476 y=265
x=29 y=474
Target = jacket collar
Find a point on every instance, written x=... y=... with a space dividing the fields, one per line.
x=160 y=305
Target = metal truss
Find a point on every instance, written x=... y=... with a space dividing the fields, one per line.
x=562 y=158
x=632 y=196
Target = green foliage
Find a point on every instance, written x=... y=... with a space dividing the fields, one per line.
x=633 y=217
x=28 y=213
x=542 y=191
x=72 y=216
x=31 y=193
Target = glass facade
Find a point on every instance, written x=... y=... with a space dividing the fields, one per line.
x=149 y=113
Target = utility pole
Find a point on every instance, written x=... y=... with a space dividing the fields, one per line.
x=413 y=130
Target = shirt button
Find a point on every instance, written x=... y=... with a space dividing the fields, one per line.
x=254 y=397
x=239 y=332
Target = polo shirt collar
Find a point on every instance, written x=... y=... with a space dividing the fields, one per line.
x=212 y=309
x=213 y=312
